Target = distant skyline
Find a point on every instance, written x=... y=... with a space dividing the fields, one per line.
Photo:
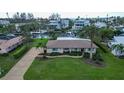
x=69 y=14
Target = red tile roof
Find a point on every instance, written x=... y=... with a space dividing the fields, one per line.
x=8 y=43
x=70 y=44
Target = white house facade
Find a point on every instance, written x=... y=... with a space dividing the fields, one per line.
x=54 y=24
x=64 y=23
x=58 y=24
x=79 y=24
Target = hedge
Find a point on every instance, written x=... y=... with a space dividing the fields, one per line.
x=20 y=52
x=75 y=53
x=54 y=54
x=66 y=53
x=86 y=55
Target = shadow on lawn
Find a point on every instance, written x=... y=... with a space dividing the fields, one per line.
x=96 y=63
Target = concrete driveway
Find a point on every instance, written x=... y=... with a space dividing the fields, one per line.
x=17 y=72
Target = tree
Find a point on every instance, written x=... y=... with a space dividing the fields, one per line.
x=7 y=28
x=23 y=16
x=119 y=48
x=25 y=31
x=16 y=15
x=30 y=16
x=106 y=34
x=54 y=16
x=90 y=31
x=7 y=14
x=71 y=23
x=42 y=45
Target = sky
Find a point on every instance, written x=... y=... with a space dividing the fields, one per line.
x=69 y=14
x=66 y=8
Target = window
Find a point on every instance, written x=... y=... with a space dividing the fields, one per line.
x=75 y=49
x=55 y=49
x=90 y=49
x=66 y=48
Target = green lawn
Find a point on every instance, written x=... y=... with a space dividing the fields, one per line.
x=75 y=69
x=35 y=42
x=6 y=63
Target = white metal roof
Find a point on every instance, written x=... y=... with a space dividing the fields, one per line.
x=71 y=38
x=119 y=39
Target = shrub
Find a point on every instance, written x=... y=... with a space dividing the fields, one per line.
x=4 y=55
x=97 y=56
x=86 y=55
x=75 y=53
x=54 y=54
x=20 y=52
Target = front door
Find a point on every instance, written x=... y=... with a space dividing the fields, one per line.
x=66 y=50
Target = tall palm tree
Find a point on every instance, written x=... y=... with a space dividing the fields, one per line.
x=90 y=31
x=7 y=14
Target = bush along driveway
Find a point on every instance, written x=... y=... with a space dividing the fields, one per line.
x=7 y=61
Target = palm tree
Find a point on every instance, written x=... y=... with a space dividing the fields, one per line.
x=90 y=31
x=119 y=48
x=7 y=14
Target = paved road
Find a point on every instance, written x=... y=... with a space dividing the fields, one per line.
x=17 y=72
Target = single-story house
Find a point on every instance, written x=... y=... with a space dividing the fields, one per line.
x=8 y=45
x=39 y=34
x=78 y=45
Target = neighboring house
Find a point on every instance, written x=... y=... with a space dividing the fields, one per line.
x=8 y=45
x=70 y=38
x=122 y=30
x=116 y=41
x=39 y=34
x=119 y=27
x=58 y=24
x=69 y=45
x=64 y=23
x=68 y=34
x=4 y=22
x=100 y=24
x=79 y=24
x=6 y=37
x=54 y=24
